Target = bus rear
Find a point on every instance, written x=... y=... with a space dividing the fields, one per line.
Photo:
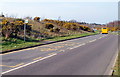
x=104 y=30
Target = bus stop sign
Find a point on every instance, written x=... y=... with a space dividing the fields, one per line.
x=26 y=21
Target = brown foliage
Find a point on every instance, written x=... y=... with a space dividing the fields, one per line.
x=49 y=25
x=37 y=19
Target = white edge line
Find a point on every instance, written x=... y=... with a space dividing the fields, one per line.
x=28 y=64
x=111 y=65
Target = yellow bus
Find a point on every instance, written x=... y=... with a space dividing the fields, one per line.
x=104 y=30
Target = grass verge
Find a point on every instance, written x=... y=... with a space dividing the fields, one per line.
x=69 y=37
x=17 y=43
x=117 y=66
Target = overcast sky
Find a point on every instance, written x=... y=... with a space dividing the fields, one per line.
x=92 y=11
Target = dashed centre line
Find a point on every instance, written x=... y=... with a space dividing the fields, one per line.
x=47 y=49
x=52 y=53
x=93 y=40
x=77 y=46
x=37 y=58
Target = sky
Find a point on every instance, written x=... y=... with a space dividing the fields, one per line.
x=90 y=11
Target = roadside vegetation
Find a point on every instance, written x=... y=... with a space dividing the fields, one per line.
x=117 y=66
x=14 y=43
x=38 y=31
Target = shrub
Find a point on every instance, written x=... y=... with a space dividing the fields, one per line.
x=49 y=25
x=67 y=26
x=81 y=27
x=19 y=20
x=70 y=26
x=7 y=30
x=37 y=19
x=45 y=20
x=56 y=30
x=51 y=30
x=5 y=22
x=12 y=29
x=86 y=28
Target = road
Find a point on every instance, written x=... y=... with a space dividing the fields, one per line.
x=90 y=55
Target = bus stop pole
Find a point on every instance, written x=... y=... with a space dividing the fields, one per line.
x=26 y=21
x=24 y=31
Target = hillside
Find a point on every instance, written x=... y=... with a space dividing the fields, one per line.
x=38 y=28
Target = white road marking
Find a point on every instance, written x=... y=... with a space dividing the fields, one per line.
x=61 y=51
x=93 y=40
x=77 y=46
x=44 y=57
x=29 y=63
x=115 y=60
x=83 y=44
x=110 y=67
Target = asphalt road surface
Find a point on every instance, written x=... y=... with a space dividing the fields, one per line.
x=90 y=55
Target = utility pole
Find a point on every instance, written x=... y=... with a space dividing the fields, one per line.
x=26 y=21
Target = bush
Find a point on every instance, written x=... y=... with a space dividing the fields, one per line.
x=45 y=20
x=4 y=22
x=70 y=26
x=67 y=26
x=37 y=19
x=51 y=30
x=7 y=30
x=86 y=28
x=60 y=23
x=81 y=27
x=56 y=30
x=49 y=25
x=19 y=20
x=12 y=29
